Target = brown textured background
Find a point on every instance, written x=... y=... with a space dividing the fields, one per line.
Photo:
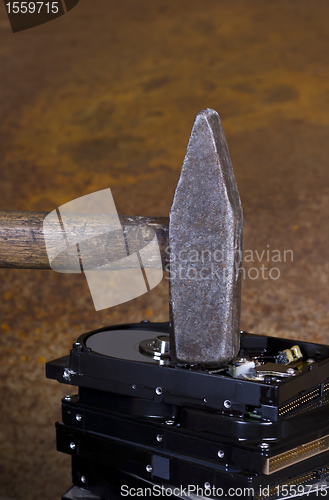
x=105 y=96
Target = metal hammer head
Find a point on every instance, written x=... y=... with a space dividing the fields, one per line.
x=206 y=237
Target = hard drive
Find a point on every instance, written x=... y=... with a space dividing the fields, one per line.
x=147 y=416
x=114 y=359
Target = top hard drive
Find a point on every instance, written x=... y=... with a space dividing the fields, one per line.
x=133 y=360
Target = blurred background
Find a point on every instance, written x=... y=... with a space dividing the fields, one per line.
x=105 y=97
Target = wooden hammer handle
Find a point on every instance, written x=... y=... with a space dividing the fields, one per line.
x=22 y=243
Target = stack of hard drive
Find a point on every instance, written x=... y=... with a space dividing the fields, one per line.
x=143 y=425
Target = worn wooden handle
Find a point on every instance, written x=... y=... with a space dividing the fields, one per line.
x=22 y=242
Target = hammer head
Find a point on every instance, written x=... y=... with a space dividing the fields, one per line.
x=206 y=238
